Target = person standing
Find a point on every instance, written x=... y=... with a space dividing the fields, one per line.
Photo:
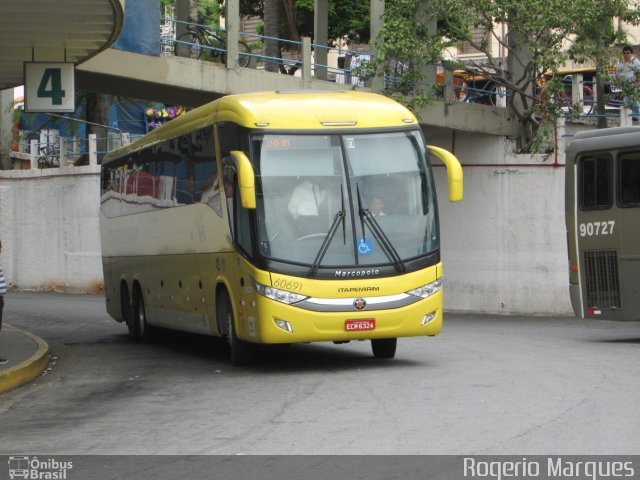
x=3 y=290
x=628 y=73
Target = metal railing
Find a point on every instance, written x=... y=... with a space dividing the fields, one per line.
x=48 y=149
x=294 y=55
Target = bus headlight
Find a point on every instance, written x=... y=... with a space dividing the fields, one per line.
x=427 y=290
x=278 y=295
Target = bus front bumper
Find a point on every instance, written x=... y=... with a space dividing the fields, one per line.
x=275 y=322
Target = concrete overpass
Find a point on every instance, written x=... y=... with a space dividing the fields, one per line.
x=190 y=82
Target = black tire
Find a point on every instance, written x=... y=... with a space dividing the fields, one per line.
x=188 y=45
x=243 y=48
x=384 y=347
x=242 y=353
x=244 y=60
x=216 y=50
x=139 y=329
x=127 y=311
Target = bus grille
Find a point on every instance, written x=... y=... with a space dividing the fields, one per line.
x=601 y=278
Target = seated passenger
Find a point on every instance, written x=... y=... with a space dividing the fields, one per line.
x=304 y=206
x=306 y=199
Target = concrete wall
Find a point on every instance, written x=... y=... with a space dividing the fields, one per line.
x=49 y=228
x=504 y=245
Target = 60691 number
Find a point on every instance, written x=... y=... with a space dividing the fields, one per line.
x=285 y=284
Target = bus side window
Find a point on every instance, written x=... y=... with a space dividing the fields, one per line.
x=630 y=179
x=594 y=176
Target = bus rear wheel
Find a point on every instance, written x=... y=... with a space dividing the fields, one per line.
x=384 y=347
x=139 y=329
x=242 y=353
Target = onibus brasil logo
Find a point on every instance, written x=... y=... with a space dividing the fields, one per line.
x=32 y=468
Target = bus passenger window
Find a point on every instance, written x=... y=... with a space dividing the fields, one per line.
x=630 y=180
x=594 y=177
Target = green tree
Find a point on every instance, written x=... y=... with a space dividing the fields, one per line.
x=204 y=12
x=599 y=39
x=348 y=19
x=290 y=19
x=539 y=32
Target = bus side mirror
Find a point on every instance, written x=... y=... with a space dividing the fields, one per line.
x=246 y=179
x=454 y=171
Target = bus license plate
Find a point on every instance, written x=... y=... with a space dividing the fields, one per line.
x=360 y=325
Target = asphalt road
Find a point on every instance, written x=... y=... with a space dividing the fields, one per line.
x=486 y=385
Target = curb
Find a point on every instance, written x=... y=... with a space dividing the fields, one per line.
x=28 y=369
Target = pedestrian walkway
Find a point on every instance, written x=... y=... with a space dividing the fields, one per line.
x=27 y=354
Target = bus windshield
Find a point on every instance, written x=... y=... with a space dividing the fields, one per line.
x=344 y=200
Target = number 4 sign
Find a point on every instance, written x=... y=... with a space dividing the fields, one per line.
x=49 y=87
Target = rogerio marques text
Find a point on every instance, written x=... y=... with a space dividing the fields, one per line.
x=551 y=467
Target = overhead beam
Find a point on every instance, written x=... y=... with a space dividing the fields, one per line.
x=180 y=80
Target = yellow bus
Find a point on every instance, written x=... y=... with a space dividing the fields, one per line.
x=277 y=218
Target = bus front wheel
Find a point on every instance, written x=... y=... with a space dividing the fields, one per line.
x=242 y=353
x=384 y=347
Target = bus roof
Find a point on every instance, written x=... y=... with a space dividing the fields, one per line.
x=602 y=139
x=299 y=110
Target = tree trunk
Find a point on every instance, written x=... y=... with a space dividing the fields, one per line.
x=290 y=11
x=98 y=106
x=518 y=62
x=271 y=19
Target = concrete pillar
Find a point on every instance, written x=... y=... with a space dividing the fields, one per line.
x=577 y=92
x=306 y=59
x=449 y=92
x=232 y=24
x=33 y=154
x=63 y=154
x=377 y=10
x=501 y=96
x=6 y=122
x=93 y=149
x=320 y=36
x=182 y=16
x=561 y=139
x=625 y=117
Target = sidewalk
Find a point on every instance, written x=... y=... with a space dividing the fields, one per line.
x=28 y=356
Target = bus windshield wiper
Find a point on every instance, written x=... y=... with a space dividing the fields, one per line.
x=387 y=247
x=327 y=239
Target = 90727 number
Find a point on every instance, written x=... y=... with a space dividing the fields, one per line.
x=591 y=229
